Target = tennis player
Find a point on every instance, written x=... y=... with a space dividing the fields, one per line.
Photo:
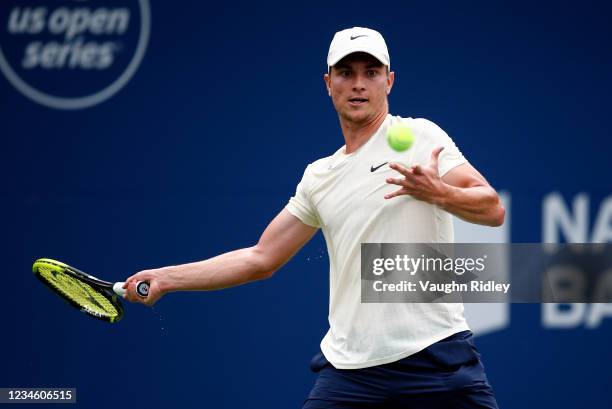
x=408 y=355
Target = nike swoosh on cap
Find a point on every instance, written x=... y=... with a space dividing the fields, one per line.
x=360 y=35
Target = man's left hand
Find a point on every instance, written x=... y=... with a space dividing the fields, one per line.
x=421 y=182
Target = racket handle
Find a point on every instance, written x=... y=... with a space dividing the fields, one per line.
x=142 y=288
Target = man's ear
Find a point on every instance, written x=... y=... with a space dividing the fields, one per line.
x=390 y=79
x=327 y=80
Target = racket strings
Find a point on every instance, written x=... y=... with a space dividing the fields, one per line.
x=88 y=298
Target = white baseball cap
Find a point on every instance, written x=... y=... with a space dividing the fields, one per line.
x=358 y=39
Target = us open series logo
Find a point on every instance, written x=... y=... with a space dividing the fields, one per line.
x=72 y=54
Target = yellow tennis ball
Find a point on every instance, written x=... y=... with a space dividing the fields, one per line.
x=400 y=137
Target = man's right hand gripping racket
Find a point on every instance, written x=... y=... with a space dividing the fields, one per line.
x=95 y=297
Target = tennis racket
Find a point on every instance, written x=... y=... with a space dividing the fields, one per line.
x=94 y=297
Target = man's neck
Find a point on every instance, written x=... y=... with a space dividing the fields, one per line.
x=357 y=134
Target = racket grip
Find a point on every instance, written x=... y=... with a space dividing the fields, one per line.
x=142 y=288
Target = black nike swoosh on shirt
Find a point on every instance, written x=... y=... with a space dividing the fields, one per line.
x=374 y=169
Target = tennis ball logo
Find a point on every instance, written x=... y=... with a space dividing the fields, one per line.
x=69 y=54
x=400 y=137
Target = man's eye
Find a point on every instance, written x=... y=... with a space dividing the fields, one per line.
x=371 y=73
x=345 y=73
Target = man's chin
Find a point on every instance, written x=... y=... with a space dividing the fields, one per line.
x=356 y=116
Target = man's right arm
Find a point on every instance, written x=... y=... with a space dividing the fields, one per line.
x=283 y=237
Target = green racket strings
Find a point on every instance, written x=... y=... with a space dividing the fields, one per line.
x=81 y=293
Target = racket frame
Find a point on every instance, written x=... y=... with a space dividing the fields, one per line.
x=104 y=287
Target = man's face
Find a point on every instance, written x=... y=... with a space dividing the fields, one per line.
x=359 y=85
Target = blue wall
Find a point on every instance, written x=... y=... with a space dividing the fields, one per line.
x=206 y=143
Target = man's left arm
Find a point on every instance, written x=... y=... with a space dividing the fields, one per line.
x=462 y=191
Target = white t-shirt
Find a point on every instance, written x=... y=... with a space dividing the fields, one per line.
x=345 y=198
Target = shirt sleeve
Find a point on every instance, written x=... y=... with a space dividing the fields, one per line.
x=451 y=156
x=300 y=205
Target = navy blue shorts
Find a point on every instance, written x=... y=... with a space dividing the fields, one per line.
x=447 y=374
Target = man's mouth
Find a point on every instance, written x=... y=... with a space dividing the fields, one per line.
x=357 y=101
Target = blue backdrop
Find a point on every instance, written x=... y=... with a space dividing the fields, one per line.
x=204 y=144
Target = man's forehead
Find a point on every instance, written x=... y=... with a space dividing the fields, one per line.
x=358 y=59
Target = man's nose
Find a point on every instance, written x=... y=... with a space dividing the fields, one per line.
x=359 y=83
